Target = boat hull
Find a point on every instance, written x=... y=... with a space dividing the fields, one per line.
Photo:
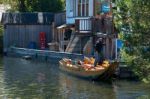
x=80 y=72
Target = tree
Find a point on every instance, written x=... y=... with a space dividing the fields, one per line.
x=133 y=21
x=36 y=5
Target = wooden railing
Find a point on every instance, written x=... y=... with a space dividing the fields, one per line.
x=83 y=25
x=103 y=25
x=94 y=25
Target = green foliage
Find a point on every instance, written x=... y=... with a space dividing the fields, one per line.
x=126 y=57
x=133 y=21
x=35 y=5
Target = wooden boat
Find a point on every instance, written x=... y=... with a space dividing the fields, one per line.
x=85 y=70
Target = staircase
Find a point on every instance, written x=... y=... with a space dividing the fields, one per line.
x=77 y=44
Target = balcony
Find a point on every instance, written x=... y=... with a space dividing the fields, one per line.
x=103 y=25
x=94 y=25
x=83 y=25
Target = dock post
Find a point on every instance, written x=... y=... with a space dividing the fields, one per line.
x=36 y=56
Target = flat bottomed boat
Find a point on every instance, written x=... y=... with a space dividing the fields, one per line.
x=87 y=70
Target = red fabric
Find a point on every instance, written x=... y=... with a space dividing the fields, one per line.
x=42 y=38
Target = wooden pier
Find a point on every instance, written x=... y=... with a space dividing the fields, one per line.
x=35 y=53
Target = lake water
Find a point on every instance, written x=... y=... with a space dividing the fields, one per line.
x=24 y=79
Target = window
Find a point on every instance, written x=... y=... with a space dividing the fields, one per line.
x=83 y=8
x=83 y=1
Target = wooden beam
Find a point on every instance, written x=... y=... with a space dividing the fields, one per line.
x=77 y=2
x=53 y=31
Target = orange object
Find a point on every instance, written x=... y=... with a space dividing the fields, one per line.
x=86 y=60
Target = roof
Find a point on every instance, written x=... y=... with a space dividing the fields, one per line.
x=28 y=18
x=62 y=26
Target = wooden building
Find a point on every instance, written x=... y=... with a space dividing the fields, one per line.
x=75 y=31
x=88 y=20
x=21 y=29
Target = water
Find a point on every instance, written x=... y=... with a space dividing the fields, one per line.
x=23 y=79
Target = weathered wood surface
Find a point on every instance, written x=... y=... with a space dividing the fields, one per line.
x=44 y=53
x=60 y=18
x=22 y=35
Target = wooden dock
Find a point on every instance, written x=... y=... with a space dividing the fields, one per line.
x=35 y=53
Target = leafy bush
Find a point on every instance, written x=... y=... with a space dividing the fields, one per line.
x=133 y=21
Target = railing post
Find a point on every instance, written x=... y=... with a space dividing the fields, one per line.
x=77 y=25
x=92 y=25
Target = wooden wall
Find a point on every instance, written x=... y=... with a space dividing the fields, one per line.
x=60 y=18
x=22 y=35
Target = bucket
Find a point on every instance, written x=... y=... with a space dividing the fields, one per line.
x=32 y=45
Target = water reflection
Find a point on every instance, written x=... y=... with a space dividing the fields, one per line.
x=131 y=90
x=24 y=79
x=74 y=88
x=29 y=79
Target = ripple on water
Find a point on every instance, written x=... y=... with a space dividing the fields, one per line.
x=22 y=79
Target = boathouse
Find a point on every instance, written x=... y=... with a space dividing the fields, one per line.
x=22 y=29
x=88 y=20
x=75 y=31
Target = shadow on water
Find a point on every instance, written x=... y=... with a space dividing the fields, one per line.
x=43 y=80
